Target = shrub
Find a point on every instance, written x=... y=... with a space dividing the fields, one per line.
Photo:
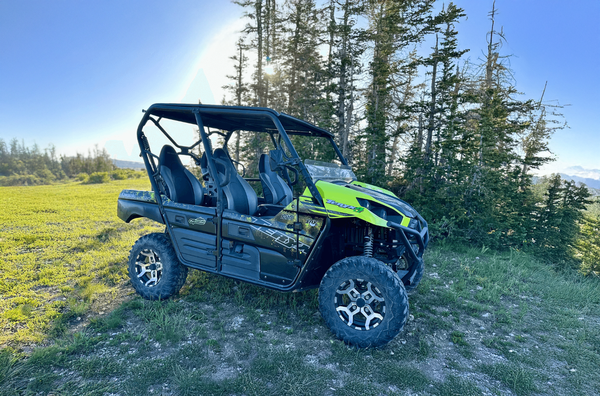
x=83 y=177
x=98 y=177
x=119 y=174
x=20 y=180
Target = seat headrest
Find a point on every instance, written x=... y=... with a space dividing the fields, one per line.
x=222 y=155
x=262 y=163
x=168 y=157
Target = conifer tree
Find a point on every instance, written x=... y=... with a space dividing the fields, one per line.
x=394 y=26
x=239 y=88
x=588 y=245
x=347 y=44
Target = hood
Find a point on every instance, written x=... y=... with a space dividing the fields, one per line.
x=384 y=196
x=369 y=203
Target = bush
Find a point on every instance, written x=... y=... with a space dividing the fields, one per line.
x=83 y=177
x=138 y=174
x=119 y=174
x=98 y=177
x=20 y=180
x=122 y=174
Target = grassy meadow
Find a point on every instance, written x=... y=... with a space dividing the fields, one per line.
x=62 y=250
x=482 y=322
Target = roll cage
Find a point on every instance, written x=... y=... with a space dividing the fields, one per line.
x=229 y=119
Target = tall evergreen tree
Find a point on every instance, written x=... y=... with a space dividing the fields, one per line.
x=239 y=88
x=347 y=44
x=393 y=27
x=588 y=245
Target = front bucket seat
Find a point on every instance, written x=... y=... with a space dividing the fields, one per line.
x=276 y=190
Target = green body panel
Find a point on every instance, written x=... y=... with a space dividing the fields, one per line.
x=342 y=202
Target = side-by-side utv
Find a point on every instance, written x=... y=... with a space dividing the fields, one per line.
x=311 y=225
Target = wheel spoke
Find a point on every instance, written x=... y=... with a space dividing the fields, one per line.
x=350 y=310
x=143 y=267
x=153 y=278
x=369 y=315
x=350 y=291
x=371 y=295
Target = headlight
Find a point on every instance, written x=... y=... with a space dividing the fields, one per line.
x=380 y=212
x=375 y=208
x=364 y=203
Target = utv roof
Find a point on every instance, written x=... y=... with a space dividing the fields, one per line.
x=232 y=118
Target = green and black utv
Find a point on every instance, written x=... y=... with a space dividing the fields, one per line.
x=312 y=224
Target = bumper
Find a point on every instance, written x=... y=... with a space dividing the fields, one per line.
x=418 y=236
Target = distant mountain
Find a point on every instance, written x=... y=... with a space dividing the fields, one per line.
x=593 y=183
x=128 y=164
x=582 y=172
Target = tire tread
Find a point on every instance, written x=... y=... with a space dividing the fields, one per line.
x=174 y=273
x=369 y=268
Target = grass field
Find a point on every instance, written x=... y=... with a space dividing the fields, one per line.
x=62 y=252
x=482 y=323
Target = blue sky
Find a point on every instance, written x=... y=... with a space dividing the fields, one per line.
x=77 y=73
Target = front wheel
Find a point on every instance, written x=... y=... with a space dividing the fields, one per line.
x=363 y=301
x=154 y=270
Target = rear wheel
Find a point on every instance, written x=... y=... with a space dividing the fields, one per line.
x=154 y=270
x=363 y=301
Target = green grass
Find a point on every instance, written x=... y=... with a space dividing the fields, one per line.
x=62 y=253
x=487 y=323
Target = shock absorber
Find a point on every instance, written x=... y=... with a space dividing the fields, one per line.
x=368 y=247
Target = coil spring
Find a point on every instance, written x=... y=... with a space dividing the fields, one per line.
x=368 y=249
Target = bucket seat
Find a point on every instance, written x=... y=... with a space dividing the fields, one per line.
x=276 y=190
x=182 y=185
x=240 y=196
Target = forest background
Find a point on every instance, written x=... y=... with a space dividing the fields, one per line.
x=452 y=137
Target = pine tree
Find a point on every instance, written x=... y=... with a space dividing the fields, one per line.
x=255 y=12
x=347 y=44
x=588 y=245
x=556 y=231
x=394 y=26
x=240 y=87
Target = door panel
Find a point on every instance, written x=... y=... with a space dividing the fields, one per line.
x=194 y=233
x=196 y=247
x=240 y=260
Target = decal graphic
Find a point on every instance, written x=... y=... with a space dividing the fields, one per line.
x=312 y=223
x=341 y=205
x=288 y=216
x=197 y=221
x=276 y=237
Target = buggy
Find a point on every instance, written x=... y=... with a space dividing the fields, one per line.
x=305 y=224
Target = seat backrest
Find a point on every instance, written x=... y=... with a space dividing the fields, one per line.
x=276 y=190
x=182 y=185
x=241 y=197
